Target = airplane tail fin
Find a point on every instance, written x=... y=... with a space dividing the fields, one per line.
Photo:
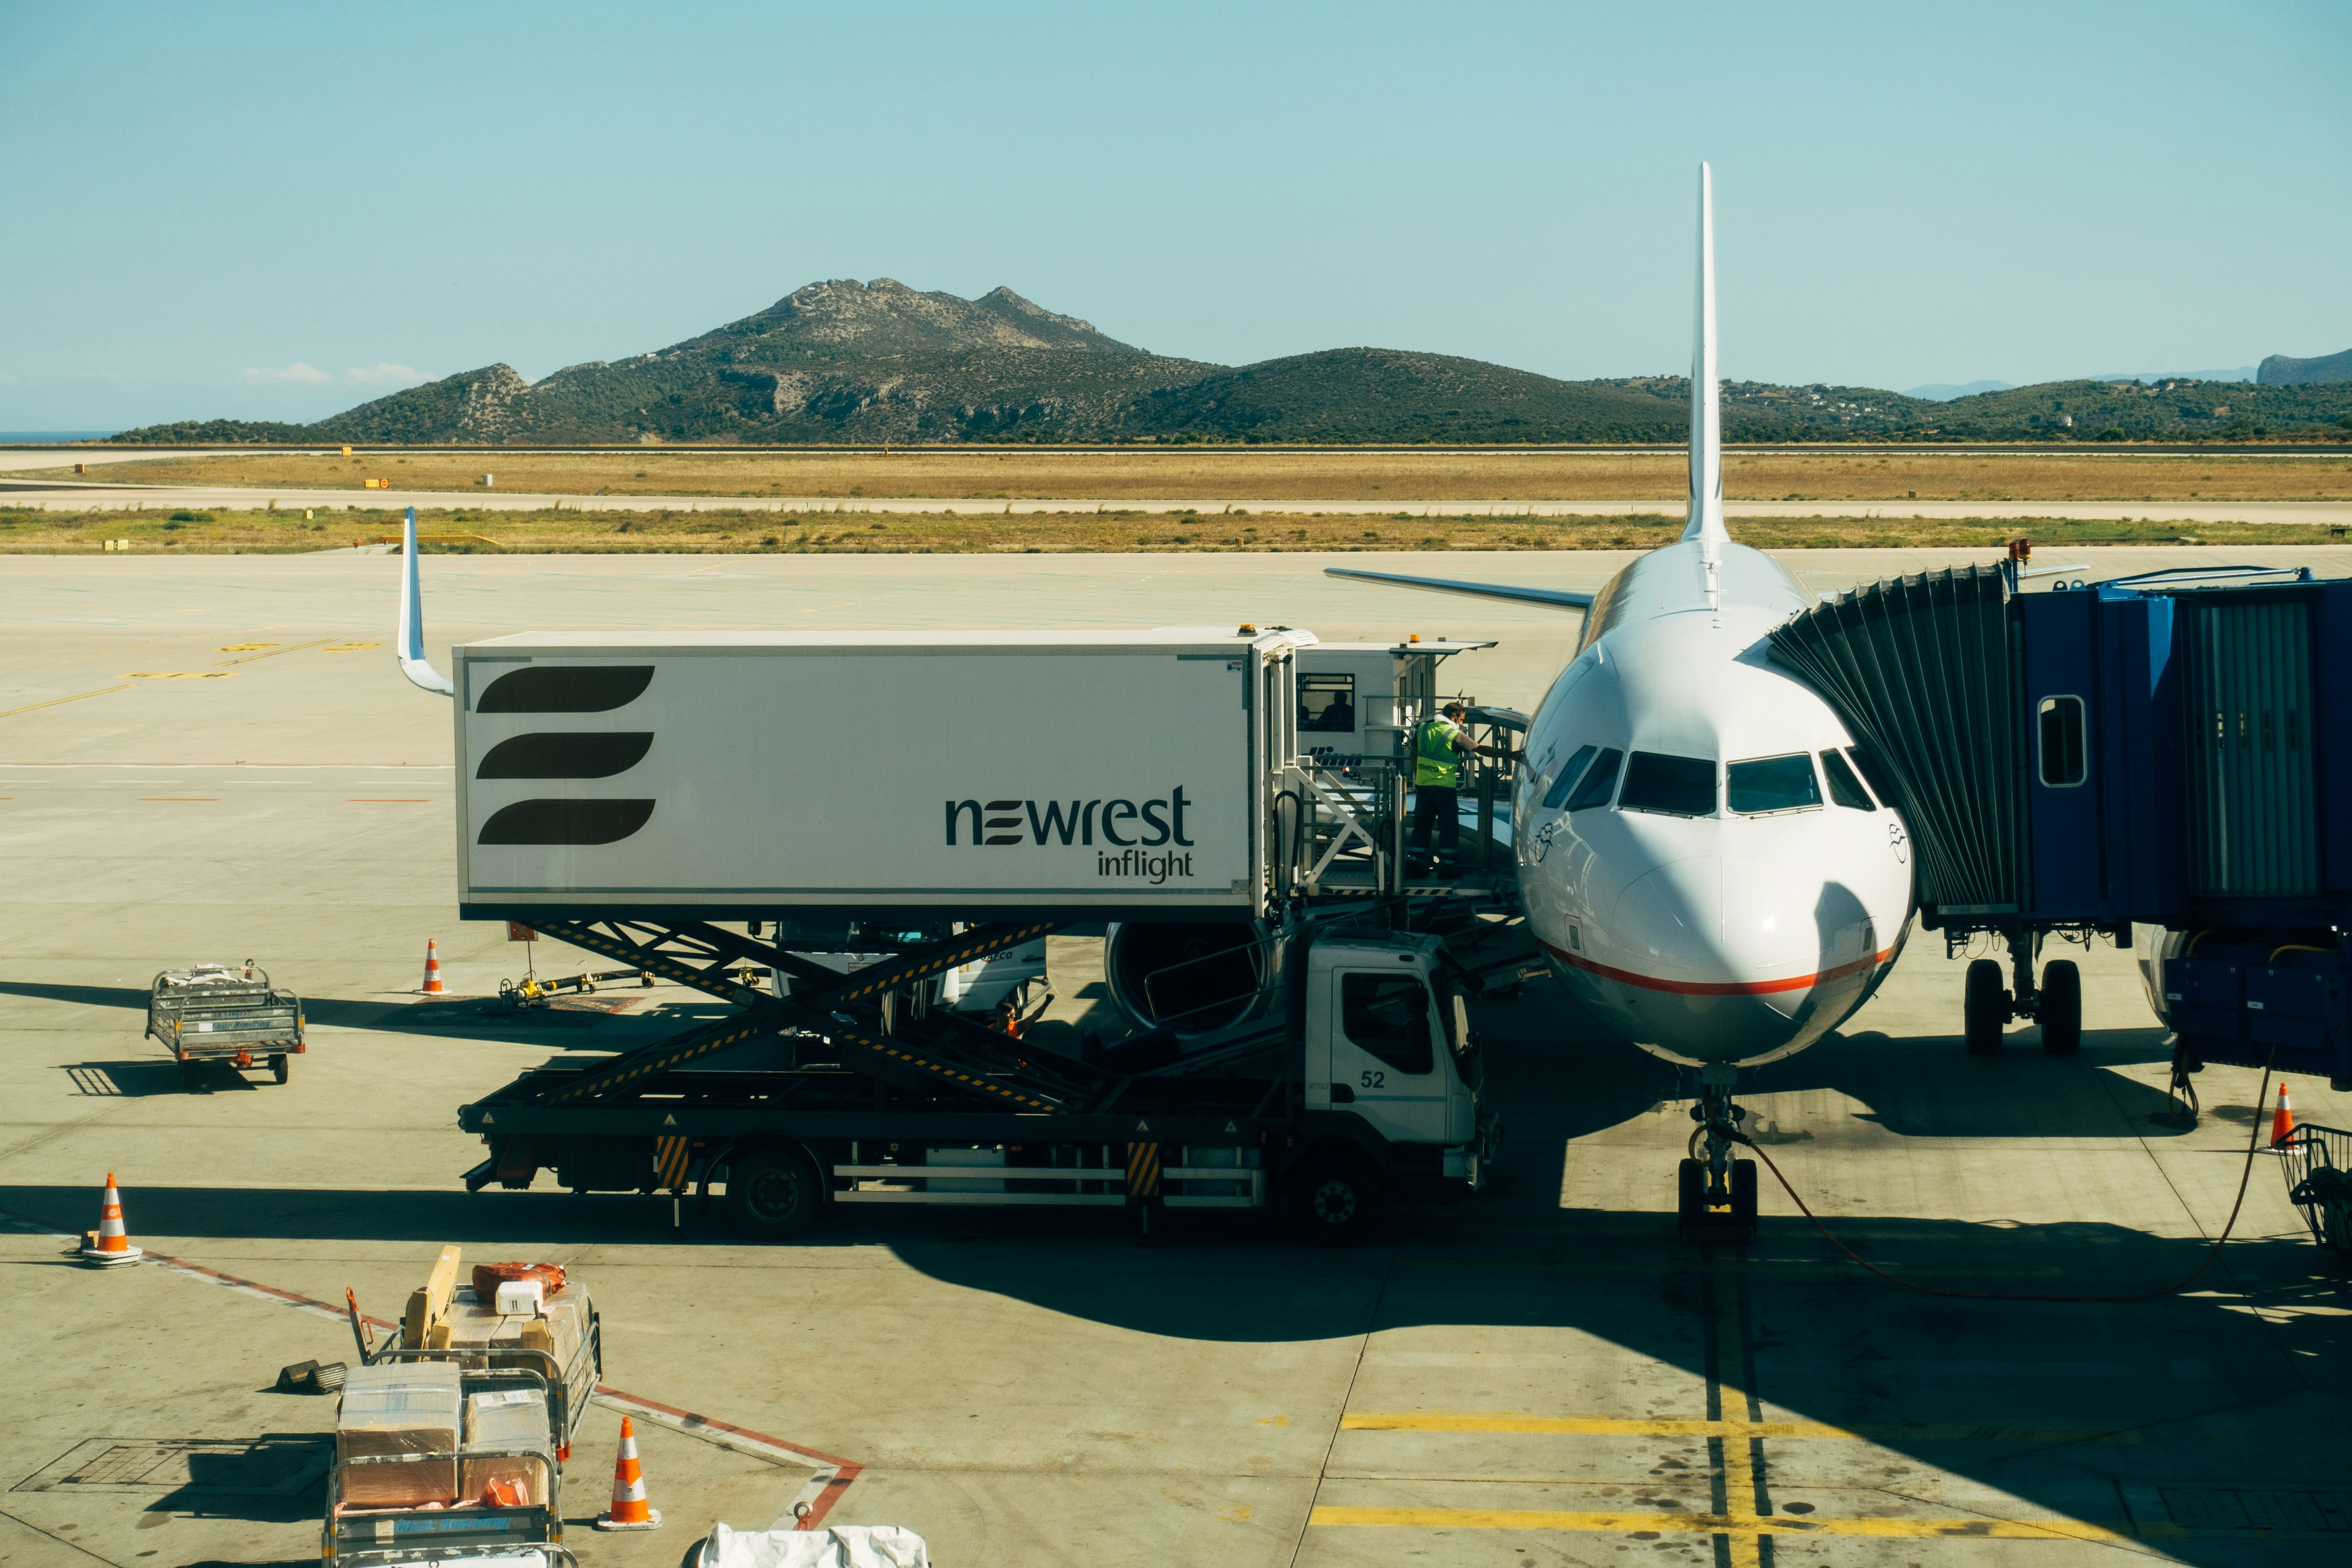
x=408 y=639
x=1706 y=404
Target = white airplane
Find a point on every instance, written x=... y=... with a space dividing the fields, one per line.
x=1698 y=853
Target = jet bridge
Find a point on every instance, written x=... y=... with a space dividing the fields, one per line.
x=2164 y=760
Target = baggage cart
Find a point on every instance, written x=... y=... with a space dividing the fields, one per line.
x=223 y=1013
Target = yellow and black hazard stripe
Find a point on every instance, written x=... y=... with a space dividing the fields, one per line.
x=1142 y=1172
x=672 y=1158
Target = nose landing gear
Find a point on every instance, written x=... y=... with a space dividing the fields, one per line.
x=1716 y=1192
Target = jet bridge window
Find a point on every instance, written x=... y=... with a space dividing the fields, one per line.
x=1388 y=1014
x=1845 y=788
x=1567 y=778
x=1678 y=786
x=2060 y=721
x=1764 y=785
x=1600 y=782
x=1326 y=704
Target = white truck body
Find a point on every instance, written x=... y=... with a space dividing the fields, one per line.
x=725 y=774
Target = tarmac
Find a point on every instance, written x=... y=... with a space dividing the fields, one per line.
x=214 y=758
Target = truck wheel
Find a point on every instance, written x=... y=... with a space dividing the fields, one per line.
x=2062 y=1007
x=1334 y=1202
x=1984 y=1007
x=773 y=1194
x=279 y=1069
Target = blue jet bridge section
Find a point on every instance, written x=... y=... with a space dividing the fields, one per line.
x=2164 y=760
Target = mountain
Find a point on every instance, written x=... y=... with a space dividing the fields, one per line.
x=1944 y=392
x=2280 y=371
x=868 y=363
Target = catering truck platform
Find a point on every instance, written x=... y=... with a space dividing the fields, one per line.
x=700 y=806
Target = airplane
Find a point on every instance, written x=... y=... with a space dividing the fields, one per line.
x=1704 y=855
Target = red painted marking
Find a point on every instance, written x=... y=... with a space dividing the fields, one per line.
x=1713 y=987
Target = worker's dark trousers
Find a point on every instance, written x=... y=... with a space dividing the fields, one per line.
x=1435 y=802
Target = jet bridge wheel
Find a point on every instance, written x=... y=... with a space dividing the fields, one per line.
x=1984 y=1007
x=773 y=1193
x=2060 y=1008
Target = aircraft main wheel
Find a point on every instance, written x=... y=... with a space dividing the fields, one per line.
x=2062 y=1007
x=1743 y=1194
x=1690 y=1193
x=773 y=1194
x=1984 y=1007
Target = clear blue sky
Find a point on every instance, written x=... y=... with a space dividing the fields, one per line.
x=203 y=206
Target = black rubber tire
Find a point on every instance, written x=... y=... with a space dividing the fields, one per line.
x=1334 y=1200
x=773 y=1193
x=280 y=1068
x=2061 y=1011
x=1690 y=1191
x=1984 y=1008
x=1743 y=1193
x=192 y=1078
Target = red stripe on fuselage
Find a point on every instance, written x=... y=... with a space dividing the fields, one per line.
x=1713 y=987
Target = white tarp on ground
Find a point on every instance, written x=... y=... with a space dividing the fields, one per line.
x=842 y=1546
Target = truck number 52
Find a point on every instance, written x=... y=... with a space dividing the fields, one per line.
x=1375 y=1079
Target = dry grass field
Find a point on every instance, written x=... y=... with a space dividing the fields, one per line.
x=1258 y=474
x=770 y=532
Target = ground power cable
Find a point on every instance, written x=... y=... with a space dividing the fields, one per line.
x=2245 y=1177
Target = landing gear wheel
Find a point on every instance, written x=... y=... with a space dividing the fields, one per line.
x=1984 y=1007
x=1690 y=1193
x=1334 y=1202
x=773 y=1194
x=2061 y=1011
x=279 y=1069
x=1743 y=1195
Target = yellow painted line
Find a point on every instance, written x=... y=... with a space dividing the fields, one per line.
x=1731 y=1395
x=176 y=674
x=298 y=647
x=1748 y=1527
x=350 y=646
x=246 y=646
x=53 y=701
x=1513 y=1422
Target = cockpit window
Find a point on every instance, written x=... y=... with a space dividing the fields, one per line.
x=1679 y=786
x=1845 y=788
x=1772 y=784
x=1600 y=782
x=1881 y=784
x=1568 y=777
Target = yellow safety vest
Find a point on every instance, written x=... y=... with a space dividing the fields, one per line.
x=1435 y=762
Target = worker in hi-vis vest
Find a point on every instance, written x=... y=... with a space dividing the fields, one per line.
x=1439 y=746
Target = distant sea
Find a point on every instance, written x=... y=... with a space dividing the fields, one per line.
x=41 y=438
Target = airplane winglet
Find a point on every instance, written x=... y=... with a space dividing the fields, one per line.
x=408 y=641
x=1707 y=401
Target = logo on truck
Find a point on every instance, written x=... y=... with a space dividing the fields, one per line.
x=1142 y=839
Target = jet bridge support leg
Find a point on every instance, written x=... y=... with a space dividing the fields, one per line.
x=1716 y=1193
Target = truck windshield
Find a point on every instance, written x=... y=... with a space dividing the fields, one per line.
x=1326 y=704
x=1388 y=1014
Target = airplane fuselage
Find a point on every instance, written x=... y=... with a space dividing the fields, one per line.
x=1732 y=890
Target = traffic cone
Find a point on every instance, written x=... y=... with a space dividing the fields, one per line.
x=432 y=987
x=630 y=1510
x=2282 y=1121
x=111 y=1245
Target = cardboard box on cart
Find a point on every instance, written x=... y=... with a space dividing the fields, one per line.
x=400 y=1409
x=513 y=1420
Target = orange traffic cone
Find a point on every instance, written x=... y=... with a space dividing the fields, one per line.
x=110 y=1245
x=2282 y=1121
x=630 y=1511
x=432 y=987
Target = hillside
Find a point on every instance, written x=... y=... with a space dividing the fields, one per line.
x=2281 y=371
x=872 y=362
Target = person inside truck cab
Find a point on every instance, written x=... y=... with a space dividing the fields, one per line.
x=1439 y=746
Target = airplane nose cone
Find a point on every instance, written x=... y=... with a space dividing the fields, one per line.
x=1721 y=955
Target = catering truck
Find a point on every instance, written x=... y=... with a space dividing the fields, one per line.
x=817 y=827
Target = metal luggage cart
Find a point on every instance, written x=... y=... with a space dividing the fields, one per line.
x=569 y=1387
x=467 y=1530
x=2318 y=1165
x=218 y=1012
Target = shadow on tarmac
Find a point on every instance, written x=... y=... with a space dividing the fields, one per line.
x=464 y=1017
